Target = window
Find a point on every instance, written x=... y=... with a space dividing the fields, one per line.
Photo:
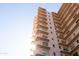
x=74 y=34
x=48 y=13
x=49 y=19
x=45 y=53
x=75 y=54
x=64 y=42
x=50 y=27
x=50 y=23
x=74 y=16
x=77 y=41
x=54 y=53
x=53 y=45
x=52 y=38
x=43 y=18
x=45 y=43
x=67 y=31
x=60 y=47
x=65 y=49
x=61 y=54
x=72 y=46
x=77 y=21
x=44 y=36
x=51 y=32
x=56 y=34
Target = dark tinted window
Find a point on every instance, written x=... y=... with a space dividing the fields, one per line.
x=77 y=41
x=53 y=45
x=54 y=53
x=75 y=54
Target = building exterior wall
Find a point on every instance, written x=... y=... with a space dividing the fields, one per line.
x=58 y=31
x=67 y=28
x=53 y=43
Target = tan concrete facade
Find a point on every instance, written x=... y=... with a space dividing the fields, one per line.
x=67 y=28
x=57 y=34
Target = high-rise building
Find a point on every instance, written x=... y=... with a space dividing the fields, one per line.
x=56 y=34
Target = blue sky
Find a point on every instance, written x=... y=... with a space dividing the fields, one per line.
x=16 y=22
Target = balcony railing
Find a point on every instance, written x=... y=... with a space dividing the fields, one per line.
x=43 y=24
x=72 y=46
x=40 y=45
x=42 y=13
x=44 y=30
x=41 y=52
x=42 y=10
x=65 y=49
x=72 y=38
x=42 y=17
x=40 y=25
x=41 y=36
x=43 y=20
x=62 y=42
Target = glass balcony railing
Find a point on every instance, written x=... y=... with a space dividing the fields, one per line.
x=45 y=53
x=41 y=52
x=40 y=45
x=65 y=49
x=41 y=36
x=45 y=30
x=43 y=44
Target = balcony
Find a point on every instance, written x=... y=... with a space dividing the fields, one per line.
x=42 y=17
x=65 y=50
x=72 y=46
x=43 y=24
x=72 y=39
x=57 y=22
x=41 y=52
x=62 y=42
x=73 y=25
x=41 y=37
x=38 y=31
x=42 y=13
x=43 y=30
x=42 y=21
x=70 y=52
x=42 y=10
x=72 y=30
x=60 y=36
x=41 y=27
x=40 y=45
